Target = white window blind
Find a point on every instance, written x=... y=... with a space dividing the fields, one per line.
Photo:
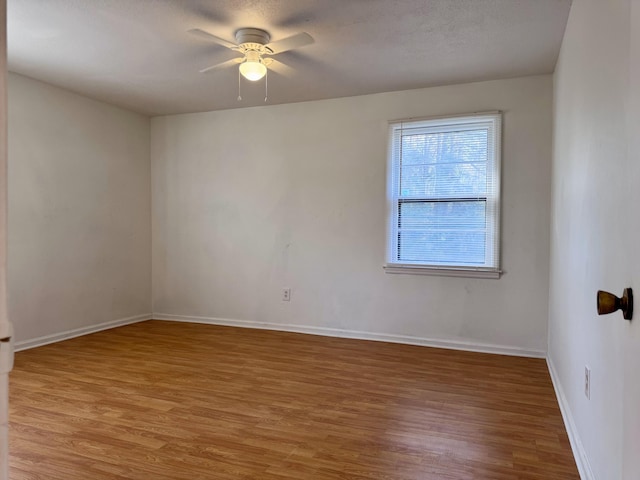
x=444 y=194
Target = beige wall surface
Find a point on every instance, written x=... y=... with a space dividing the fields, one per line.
x=79 y=210
x=595 y=231
x=248 y=201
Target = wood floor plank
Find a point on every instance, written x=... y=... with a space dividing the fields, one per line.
x=163 y=400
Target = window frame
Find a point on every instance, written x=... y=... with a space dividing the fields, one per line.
x=450 y=123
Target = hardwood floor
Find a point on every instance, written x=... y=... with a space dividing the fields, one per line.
x=171 y=401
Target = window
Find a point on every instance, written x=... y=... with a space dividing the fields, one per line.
x=444 y=195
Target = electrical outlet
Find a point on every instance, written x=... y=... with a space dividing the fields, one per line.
x=587 y=382
x=286 y=294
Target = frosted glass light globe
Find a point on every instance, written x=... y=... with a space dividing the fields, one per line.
x=253 y=70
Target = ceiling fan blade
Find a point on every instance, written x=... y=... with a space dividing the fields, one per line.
x=280 y=68
x=208 y=36
x=228 y=63
x=295 y=41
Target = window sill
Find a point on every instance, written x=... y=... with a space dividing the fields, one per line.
x=441 y=271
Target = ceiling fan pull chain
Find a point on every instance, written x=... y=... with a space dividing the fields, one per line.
x=239 y=96
x=266 y=86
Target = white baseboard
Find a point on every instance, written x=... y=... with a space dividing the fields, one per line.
x=579 y=453
x=380 y=337
x=58 y=337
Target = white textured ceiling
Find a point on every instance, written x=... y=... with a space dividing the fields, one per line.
x=137 y=53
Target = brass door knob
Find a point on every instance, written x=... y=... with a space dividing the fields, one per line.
x=609 y=303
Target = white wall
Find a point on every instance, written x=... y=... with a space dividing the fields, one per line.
x=6 y=353
x=79 y=210
x=631 y=416
x=595 y=232
x=248 y=201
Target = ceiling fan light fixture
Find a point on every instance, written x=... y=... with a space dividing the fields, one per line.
x=253 y=70
x=253 y=44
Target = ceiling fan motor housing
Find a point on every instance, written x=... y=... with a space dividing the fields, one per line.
x=252 y=35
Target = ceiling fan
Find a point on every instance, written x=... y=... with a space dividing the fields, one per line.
x=253 y=44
